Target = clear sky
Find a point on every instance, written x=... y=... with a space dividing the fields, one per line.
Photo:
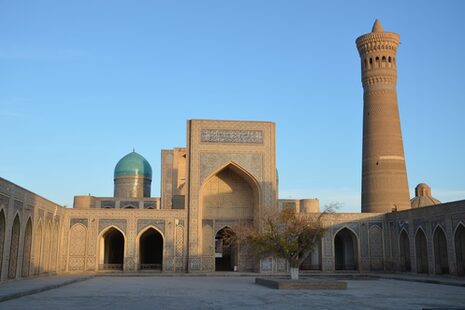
x=83 y=82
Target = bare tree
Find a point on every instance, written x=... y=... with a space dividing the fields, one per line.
x=285 y=234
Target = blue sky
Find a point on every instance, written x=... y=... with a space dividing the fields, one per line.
x=83 y=82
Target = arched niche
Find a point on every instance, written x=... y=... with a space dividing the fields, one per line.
x=112 y=249
x=421 y=251
x=47 y=247
x=459 y=243
x=229 y=193
x=151 y=249
x=38 y=249
x=77 y=247
x=14 y=248
x=27 y=249
x=55 y=244
x=345 y=250
x=313 y=260
x=404 y=245
x=441 y=257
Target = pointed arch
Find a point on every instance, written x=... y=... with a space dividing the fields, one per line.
x=441 y=257
x=46 y=251
x=224 y=227
x=38 y=248
x=421 y=251
x=54 y=247
x=150 y=248
x=2 y=237
x=112 y=248
x=239 y=169
x=27 y=249
x=150 y=227
x=230 y=192
x=346 y=247
x=404 y=250
x=459 y=244
x=14 y=248
x=314 y=259
x=226 y=249
x=376 y=249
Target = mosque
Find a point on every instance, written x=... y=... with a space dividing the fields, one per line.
x=225 y=175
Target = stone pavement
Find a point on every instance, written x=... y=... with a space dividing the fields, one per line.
x=411 y=277
x=18 y=288
x=436 y=279
x=192 y=292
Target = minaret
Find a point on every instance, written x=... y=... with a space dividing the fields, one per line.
x=384 y=176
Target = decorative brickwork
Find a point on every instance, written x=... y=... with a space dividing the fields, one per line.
x=120 y=223
x=179 y=240
x=77 y=252
x=232 y=136
x=143 y=223
x=78 y=221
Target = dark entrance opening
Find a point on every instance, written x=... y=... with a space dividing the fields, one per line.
x=313 y=260
x=421 y=251
x=459 y=239
x=405 y=264
x=345 y=249
x=440 y=252
x=113 y=241
x=151 y=250
x=225 y=250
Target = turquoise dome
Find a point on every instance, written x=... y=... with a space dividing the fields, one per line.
x=133 y=164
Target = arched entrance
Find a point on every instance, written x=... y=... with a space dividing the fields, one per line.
x=404 y=244
x=229 y=196
x=421 y=252
x=441 y=257
x=346 y=250
x=14 y=249
x=459 y=241
x=313 y=260
x=151 y=250
x=225 y=250
x=27 y=249
x=113 y=250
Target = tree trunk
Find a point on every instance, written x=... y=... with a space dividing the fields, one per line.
x=294 y=273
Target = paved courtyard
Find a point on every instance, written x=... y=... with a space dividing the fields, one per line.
x=236 y=293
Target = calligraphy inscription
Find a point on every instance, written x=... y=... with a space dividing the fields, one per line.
x=232 y=136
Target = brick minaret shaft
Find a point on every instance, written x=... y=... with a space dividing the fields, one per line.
x=384 y=176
